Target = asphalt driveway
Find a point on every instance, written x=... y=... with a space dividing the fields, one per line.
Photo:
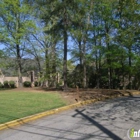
x=105 y=120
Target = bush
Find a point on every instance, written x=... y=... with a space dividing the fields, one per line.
x=36 y=84
x=1 y=85
x=6 y=84
x=12 y=84
x=58 y=85
x=27 y=84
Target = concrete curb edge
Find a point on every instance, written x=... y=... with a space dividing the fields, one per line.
x=54 y=111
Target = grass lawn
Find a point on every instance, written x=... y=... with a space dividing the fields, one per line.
x=18 y=104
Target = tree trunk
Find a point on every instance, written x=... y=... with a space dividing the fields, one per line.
x=19 y=66
x=54 y=80
x=47 y=72
x=130 y=82
x=65 y=60
x=84 y=66
x=84 y=46
x=80 y=52
x=65 y=36
x=38 y=63
x=108 y=58
x=96 y=61
x=99 y=70
x=17 y=39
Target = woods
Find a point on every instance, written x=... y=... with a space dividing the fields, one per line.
x=91 y=44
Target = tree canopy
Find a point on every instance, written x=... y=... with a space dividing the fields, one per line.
x=89 y=43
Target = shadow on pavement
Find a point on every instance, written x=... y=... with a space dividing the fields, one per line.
x=116 y=113
x=62 y=132
x=102 y=128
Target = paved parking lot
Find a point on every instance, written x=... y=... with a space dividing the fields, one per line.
x=105 y=120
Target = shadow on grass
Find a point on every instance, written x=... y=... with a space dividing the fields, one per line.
x=3 y=89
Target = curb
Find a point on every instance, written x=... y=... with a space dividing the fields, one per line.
x=54 y=111
x=43 y=114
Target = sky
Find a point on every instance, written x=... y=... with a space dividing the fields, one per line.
x=1 y=46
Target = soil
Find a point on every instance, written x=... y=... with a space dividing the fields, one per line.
x=73 y=95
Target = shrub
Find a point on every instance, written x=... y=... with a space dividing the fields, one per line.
x=1 y=85
x=6 y=84
x=12 y=84
x=58 y=85
x=36 y=84
x=27 y=84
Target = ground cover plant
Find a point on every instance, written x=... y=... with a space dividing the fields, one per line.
x=18 y=104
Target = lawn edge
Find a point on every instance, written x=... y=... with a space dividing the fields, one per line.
x=57 y=110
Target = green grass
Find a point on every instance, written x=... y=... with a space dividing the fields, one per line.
x=17 y=104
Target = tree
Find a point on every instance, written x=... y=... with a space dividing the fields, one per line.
x=57 y=18
x=16 y=23
x=81 y=23
x=128 y=20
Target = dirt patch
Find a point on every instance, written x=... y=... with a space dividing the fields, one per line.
x=75 y=95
